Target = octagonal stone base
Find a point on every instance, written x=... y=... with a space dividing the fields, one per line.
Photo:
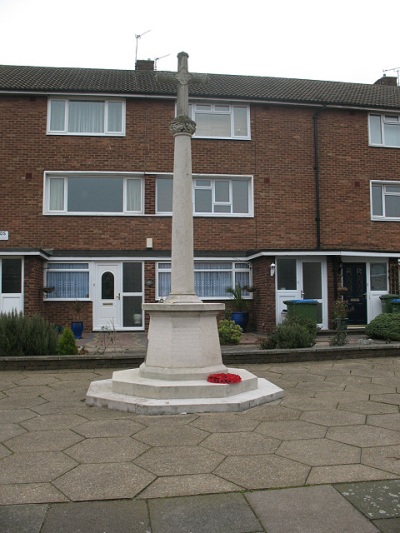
x=227 y=398
x=183 y=350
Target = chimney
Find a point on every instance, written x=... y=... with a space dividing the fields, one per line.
x=387 y=80
x=144 y=64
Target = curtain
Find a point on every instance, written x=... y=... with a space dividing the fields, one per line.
x=68 y=283
x=133 y=195
x=56 y=194
x=86 y=117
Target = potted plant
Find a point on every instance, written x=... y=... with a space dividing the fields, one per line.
x=341 y=310
x=77 y=325
x=240 y=305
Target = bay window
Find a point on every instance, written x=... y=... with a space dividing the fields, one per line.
x=211 y=278
x=67 y=281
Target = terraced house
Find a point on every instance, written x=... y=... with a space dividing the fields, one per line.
x=296 y=192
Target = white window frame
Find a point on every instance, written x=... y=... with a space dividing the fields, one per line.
x=214 y=178
x=104 y=133
x=86 y=268
x=233 y=267
x=384 y=184
x=385 y=118
x=215 y=108
x=49 y=175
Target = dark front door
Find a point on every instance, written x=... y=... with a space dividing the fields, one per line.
x=355 y=280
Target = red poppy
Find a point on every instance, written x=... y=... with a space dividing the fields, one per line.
x=224 y=378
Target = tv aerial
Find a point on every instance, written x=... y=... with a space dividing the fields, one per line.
x=137 y=37
x=157 y=59
x=397 y=70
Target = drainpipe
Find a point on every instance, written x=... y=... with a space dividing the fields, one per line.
x=316 y=169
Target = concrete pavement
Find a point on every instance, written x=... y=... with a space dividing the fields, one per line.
x=325 y=458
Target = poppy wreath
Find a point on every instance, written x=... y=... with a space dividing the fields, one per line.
x=224 y=378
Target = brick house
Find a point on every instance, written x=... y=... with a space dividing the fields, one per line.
x=296 y=191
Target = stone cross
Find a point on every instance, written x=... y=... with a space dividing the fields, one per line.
x=182 y=128
x=184 y=78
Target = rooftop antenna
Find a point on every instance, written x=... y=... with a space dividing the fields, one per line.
x=157 y=58
x=137 y=37
x=397 y=70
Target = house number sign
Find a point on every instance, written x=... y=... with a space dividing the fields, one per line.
x=3 y=235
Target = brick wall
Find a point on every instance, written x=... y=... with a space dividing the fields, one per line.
x=280 y=156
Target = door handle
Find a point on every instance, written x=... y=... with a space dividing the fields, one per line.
x=118 y=297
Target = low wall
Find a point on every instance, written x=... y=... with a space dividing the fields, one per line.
x=232 y=356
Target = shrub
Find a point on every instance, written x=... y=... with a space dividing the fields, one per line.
x=229 y=332
x=24 y=335
x=67 y=344
x=295 y=332
x=385 y=326
x=339 y=339
x=304 y=321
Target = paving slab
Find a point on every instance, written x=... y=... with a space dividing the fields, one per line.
x=230 y=422
x=319 y=452
x=188 y=485
x=376 y=499
x=179 y=460
x=106 y=450
x=22 y=493
x=333 y=418
x=35 y=467
x=22 y=518
x=307 y=510
x=171 y=436
x=385 y=421
x=108 y=428
x=383 y=457
x=109 y=481
x=220 y=513
x=95 y=517
x=346 y=473
x=262 y=471
x=42 y=441
x=241 y=443
x=390 y=525
x=291 y=429
x=364 y=436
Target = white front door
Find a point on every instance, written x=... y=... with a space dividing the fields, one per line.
x=107 y=309
x=301 y=279
x=118 y=296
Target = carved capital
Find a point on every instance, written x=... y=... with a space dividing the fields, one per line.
x=182 y=124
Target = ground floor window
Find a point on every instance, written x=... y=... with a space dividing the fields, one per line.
x=211 y=279
x=11 y=276
x=378 y=277
x=67 y=281
x=11 y=286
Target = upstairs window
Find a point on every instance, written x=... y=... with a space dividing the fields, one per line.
x=221 y=121
x=212 y=196
x=385 y=200
x=384 y=130
x=90 y=194
x=86 y=117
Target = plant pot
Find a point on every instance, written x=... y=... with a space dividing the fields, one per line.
x=77 y=329
x=241 y=319
x=341 y=324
